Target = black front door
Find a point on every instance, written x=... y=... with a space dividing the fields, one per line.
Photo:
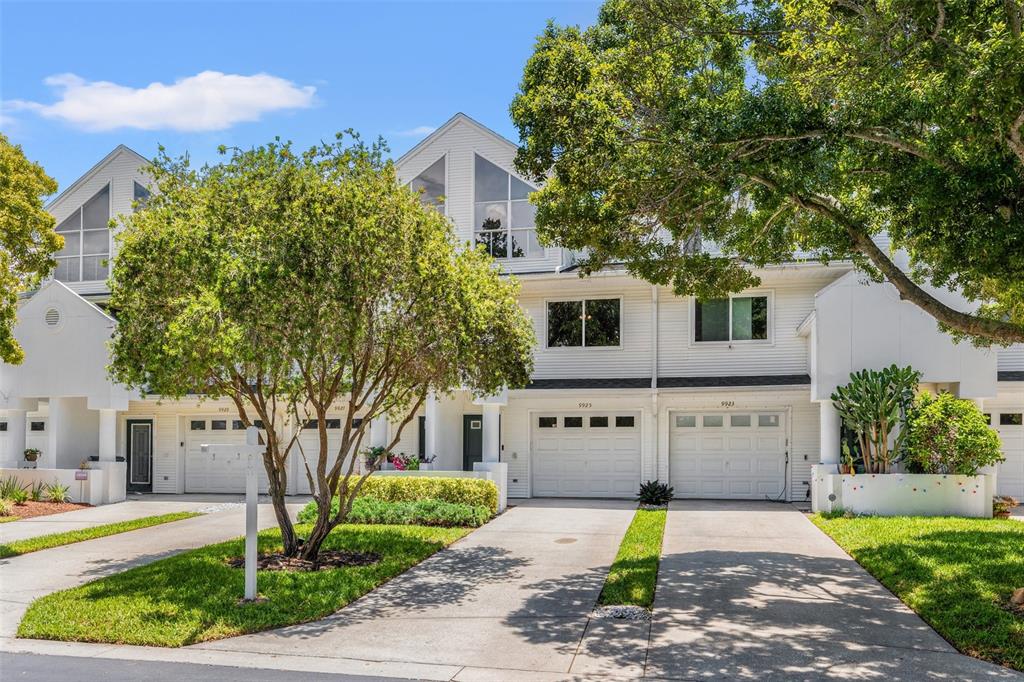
x=472 y=440
x=140 y=455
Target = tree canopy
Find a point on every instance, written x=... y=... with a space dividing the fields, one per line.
x=776 y=127
x=300 y=284
x=27 y=238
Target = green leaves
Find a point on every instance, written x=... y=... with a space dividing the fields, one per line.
x=947 y=435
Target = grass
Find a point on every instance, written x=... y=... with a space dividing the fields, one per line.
x=193 y=597
x=20 y=547
x=957 y=574
x=6 y=519
x=634 y=574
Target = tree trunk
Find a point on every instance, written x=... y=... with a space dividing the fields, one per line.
x=321 y=529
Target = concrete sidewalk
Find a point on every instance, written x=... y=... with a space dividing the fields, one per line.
x=755 y=591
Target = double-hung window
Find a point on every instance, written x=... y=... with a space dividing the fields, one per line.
x=504 y=219
x=590 y=323
x=86 y=241
x=739 y=318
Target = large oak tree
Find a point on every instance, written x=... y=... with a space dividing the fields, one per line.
x=303 y=284
x=778 y=126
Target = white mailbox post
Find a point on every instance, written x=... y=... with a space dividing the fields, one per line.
x=252 y=450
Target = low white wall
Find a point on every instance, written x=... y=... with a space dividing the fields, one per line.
x=95 y=489
x=902 y=494
x=499 y=476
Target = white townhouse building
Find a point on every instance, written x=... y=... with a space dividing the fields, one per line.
x=723 y=399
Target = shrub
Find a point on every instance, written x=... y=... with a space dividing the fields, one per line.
x=472 y=491
x=35 y=493
x=19 y=496
x=6 y=507
x=419 y=512
x=655 y=493
x=947 y=435
x=57 y=492
x=8 y=487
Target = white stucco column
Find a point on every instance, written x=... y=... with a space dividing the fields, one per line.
x=379 y=432
x=54 y=424
x=430 y=426
x=16 y=437
x=491 y=434
x=992 y=471
x=108 y=435
x=831 y=424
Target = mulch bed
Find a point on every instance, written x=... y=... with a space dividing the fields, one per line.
x=30 y=508
x=327 y=559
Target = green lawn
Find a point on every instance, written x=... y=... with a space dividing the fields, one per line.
x=57 y=539
x=634 y=575
x=193 y=597
x=957 y=574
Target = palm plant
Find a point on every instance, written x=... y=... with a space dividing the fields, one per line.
x=872 y=405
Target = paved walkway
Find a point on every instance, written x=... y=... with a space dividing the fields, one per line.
x=756 y=591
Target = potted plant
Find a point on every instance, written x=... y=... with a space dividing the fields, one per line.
x=847 y=465
x=1001 y=506
x=375 y=458
x=32 y=454
x=427 y=463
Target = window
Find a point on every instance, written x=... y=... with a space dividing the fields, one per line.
x=598 y=422
x=768 y=420
x=624 y=422
x=988 y=418
x=197 y=425
x=356 y=423
x=573 y=422
x=311 y=424
x=504 y=219
x=219 y=425
x=3 y=426
x=333 y=423
x=547 y=422
x=237 y=425
x=1010 y=419
x=86 y=241
x=37 y=426
x=686 y=421
x=712 y=420
x=740 y=318
x=140 y=196
x=590 y=323
x=739 y=420
x=258 y=423
x=431 y=185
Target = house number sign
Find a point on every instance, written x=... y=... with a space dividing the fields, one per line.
x=728 y=403
x=584 y=406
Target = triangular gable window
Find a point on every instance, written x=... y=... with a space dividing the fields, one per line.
x=431 y=184
x=86 y=241
x=140 y=196
x=504 y=219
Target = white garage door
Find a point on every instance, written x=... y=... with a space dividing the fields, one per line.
x=310 y=441
x=586 y=455
x=1010 y=480
x=210 y=472
x=740 y=455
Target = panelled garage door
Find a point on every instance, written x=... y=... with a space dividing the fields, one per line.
x=209 y=472
x=310 y=440
x=737 y=455
x=1010 y=480
x=586 y=454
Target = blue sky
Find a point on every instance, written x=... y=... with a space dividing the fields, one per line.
x=77 y=79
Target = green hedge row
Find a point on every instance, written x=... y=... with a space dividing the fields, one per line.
x=419 y=513
x=472 y=491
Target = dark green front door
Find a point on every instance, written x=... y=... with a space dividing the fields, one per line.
x=472 y=440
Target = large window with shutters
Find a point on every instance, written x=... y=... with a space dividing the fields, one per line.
x=504 y=219
x=86 y=241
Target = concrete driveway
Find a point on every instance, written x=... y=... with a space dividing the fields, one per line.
x=512 y=599
x=756 y=591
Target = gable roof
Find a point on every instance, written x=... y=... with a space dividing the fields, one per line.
x=76 y=298
x=448 y=125
x=95 y=169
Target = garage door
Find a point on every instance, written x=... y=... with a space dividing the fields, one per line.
x=310 y=440
x=209 y=472
x=1010 y=480
x=740 y=455
x=586 y=455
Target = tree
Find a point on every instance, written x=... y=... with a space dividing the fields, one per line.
x=27 y=238
x=298 y=284
x=948 y=435
x=780 y=126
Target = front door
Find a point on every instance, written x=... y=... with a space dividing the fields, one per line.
x=472 y=440
x=140 y=455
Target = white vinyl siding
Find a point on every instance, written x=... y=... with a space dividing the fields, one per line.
x=1011 y=359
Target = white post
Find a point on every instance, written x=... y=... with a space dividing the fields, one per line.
x=54 y=426
x=379 y=432
x=430 y=427
x=830 y=430
x=491 y=434
x=108 y=435
x=16 y=436
x=252 y=440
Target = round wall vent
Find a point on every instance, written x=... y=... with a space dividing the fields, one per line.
x=52 y=317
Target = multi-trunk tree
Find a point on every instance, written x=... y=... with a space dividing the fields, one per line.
x=303 y=284
x=777 y=126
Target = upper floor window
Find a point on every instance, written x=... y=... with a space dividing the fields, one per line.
x=593 y=322
x=431 y=185
x=740 y=318
x=140 y=195
x=86 y=241
x=504 y=219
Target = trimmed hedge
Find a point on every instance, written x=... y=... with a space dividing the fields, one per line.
x=418 y=513
x=475 y=492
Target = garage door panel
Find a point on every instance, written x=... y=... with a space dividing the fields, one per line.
x=597 y=459
x=216 y=472
x=738 y=456
x=1010 y=479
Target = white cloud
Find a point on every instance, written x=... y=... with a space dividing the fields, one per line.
x=418 y=131
x=210 y=100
